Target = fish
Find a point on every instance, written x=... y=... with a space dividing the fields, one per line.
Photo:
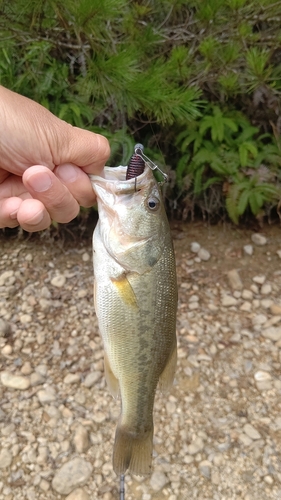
x=135 y=297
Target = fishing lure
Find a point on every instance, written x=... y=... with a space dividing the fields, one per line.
x=137 y=164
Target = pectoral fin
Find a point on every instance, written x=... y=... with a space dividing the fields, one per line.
x=112 y=381
x=167 y=375
x=125 y=290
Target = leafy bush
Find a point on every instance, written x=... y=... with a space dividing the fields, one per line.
x=146 y=71
x=225 y=149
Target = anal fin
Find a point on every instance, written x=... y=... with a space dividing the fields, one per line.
x=112 y=381
x=167 y=376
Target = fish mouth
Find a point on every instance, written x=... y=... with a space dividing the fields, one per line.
x=114 y=180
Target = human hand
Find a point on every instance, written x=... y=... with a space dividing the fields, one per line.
x=44 y=163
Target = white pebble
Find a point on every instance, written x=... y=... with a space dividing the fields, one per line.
x=258 y=239
x=71 y=378
x=195 y=247
x=262 y=376
x=251 y=431
x=272 y=333
x=248 y=249
x=5 y=458
x=72 y=474
x=228 y=300
x=78 y=494
x=7 y=350
x=158 y=480
x=58 y=281
x=234 y=279
x=203 y=254
x=259 y=279
x=266 y=289
x=15 y=381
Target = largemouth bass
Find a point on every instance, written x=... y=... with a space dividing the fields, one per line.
x=135 y=294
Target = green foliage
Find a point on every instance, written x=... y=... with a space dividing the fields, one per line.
x=167 y=74
x=224 y=149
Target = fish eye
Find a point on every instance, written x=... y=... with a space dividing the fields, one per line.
x=153 y=203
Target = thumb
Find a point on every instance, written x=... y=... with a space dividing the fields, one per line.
x=80 y=147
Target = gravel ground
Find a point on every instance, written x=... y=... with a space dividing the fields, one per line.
x=217 y=434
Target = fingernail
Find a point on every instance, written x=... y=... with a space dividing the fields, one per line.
x=67 y=172
x=14 y=215
x=36 y=219
x=40 y=182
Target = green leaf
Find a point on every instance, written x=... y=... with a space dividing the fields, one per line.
x=243 y=202
x=197 y=180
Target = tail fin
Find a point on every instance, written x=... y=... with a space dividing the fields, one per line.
x=133 y=452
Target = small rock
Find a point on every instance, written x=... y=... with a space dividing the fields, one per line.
x=158 y=480
x=266 y=289
x=85 y=257
x=42 y=455
x=196 y=446
x=272 y=333
x=228 y=300
x=262 y=376
x=81 y=439
x=234 y=279
x=251 y=432
x=7 y=350
x=5 y=458
x=259 y=279
x=205 y=468
x=26 y=368
x=7 y=278
x=195 y=247
x=203 y=254
x=72 y=378
x=5 y=328
x=82 y=293
x=45 y=293
x=279 y=253
x=248 y=249
x=41 y=338
x=44 y=485
x=193 y=305
x=268 y=479
x=15 y=381
x=247 y=294
x=42 y=370
x=259 y=319
x=78 y=494
x=91 y=379
x=245 y=440
x=25 y=319
x=36 y=379
x=215 y=477
x=171 y=407
x=72 y=474
x=266 y=303
x=275 y=309
x=47 y=395
x=259 y=239
x=45 y=304
x=246 y=306
x=58 y=281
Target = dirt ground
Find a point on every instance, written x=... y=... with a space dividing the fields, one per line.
x=217 y=435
